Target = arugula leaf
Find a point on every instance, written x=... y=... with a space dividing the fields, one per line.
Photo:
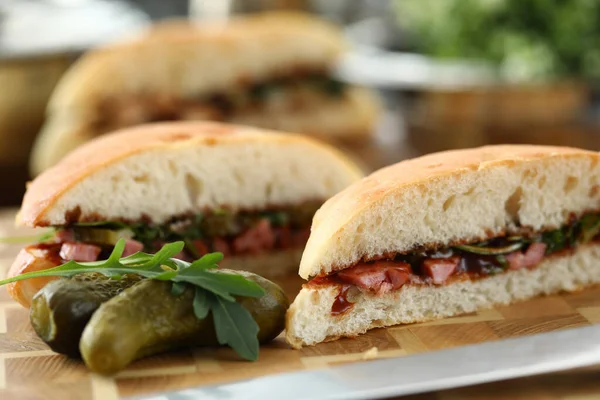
x=193 y=230
x=201 y=304
x=166 y=276
x=152 y=266
x=277 y=218
x=237 y=284
x=214 y=289
x=199 y=278
x=590 y=227
x=117 y=252
x=177 y=289
x=222 y=284
x=207 y=261
x=148 y=234
x=235 y=327
x=502 y=261
x=555 y=240
x=164 y=254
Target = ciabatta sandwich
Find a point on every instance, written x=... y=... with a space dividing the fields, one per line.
x=447 y=234
x=248 y=193
x=269 y=70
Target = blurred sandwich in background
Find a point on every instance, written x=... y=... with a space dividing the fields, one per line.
x=270 y=70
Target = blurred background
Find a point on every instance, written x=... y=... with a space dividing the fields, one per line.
x=451 y=73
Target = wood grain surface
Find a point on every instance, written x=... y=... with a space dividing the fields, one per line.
x=29 y=370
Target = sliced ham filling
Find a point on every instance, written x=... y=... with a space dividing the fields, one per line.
x=263 y=235
x=383 y=276
x=86 y=252
x=533 y=256
x=297 y=91
x=461 y=261
x=439 y=270
x=79 y=251
x=379 y=277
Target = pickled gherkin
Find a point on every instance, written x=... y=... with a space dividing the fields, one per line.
x=60 y=311
x=101 y=236
x=147 y=319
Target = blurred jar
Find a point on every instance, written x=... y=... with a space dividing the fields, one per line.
x=26 y=85
x=550 y=114
x=545 y=54
x=39 y=40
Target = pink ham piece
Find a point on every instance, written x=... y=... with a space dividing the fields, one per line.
x=256 y=239
x=81 y=252
x=380 y=277
x=132 y=247
x=532 y=257
x=440 y=269
x=64 y=235
x=397 y=277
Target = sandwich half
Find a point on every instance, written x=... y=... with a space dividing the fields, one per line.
x=248 y=193
x=270 y=70
x=446 y=234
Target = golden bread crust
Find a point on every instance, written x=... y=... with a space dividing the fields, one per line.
x=179 y=60
x=105 y=151
x=168 y=57
x=334 y=217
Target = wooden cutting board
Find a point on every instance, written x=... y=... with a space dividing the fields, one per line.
x=29 y=370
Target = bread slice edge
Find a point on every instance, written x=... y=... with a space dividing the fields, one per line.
x=309 y=318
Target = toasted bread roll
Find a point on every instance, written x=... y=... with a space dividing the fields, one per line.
x=245 y=192
x=449 y=233
x=268 y=70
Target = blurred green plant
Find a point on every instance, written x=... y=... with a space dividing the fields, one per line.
x=527 y=39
